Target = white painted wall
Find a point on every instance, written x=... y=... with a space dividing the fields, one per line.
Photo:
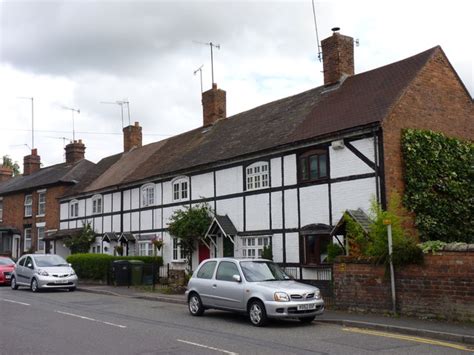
x=277 y=210
x=351 y=195
x=107 y=224
x=82 y=208
x=234 y=208
x=314 y=205
x=64 y=211
x=126 y=200
x=126 y=222
x=116 y=223
x=202 y=186
x=64 y=225
x=107 y=202
x=167 y=192
x=229 y=181
x=344 y=162
x=289 y=166
x=116 y=202
x=292 y=248
x=135 y=221
x=158 y=194
x=275 y=167
x=168 y=212
x=277 y=248
x=146 y=220
x=157 y=220
x=291 y=209
x=135 y=198
x=97 y=225
x=257 y=212
x=88 y=203
x=73 y=224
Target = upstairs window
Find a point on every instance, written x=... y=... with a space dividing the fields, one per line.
x=180 y=189
x=313 y=165
x=74 y=209
x=148 y=195
x=96 y=204
x=257 y=176
x=41 y=203
x=252 y=247
x=28 y=206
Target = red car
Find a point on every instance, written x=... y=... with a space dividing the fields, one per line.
x=6 y=268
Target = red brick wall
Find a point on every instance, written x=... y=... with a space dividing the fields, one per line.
x=435 y=100
x=14 y=211
x=442 y=288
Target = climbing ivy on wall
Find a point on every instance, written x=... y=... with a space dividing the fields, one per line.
x=439 y=185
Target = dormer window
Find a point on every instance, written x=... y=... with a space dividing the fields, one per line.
x=257 y=176
x=180 y=189
x=148 y=195
x=74 y=209
x=96 y=204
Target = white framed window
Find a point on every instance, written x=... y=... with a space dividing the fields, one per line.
x=148 y=195
x=41 y=202
x=27 y=239
x=96 y=204
x=257 y=176
x=177 y=252
x=41 y=244
x=145 y=249
x=180 y=189
x=28 y=205
x=74 y=209
x=252 y=247
x=1 y=209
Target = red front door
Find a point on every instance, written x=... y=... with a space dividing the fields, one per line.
x=204 y=252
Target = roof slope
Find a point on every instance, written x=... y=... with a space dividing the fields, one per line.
x=360 y=100
x=59 y=173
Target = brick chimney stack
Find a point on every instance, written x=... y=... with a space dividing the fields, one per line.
x=6 y=173
x=31 y=163
x=132 y=137
x=75 y=151
x=213 y=105
x=338 y=57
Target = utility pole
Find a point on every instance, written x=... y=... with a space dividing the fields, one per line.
x=388 y=223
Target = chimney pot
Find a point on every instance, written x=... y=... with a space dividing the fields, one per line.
x=31 y=163
x=5 y=173
x=132 y=137
x=213 y=105
x=338 y=57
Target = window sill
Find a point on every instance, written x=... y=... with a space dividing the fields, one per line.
x=40 y=215
x=179 y=261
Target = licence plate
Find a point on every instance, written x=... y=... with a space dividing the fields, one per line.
x=306 y=307
x=60 y=282
x=8 y=277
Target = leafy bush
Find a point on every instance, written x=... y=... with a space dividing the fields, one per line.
x=432 y=246
x=333 y=251
x=438 y=185
x=83 y=242
x=96 y=266
x=267 y=252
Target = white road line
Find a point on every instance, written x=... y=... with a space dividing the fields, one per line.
x=207 y=347
x=91 y=319
x=11 y=301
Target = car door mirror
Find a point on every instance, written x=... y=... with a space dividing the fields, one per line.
x=29 y=266
x=236 y=278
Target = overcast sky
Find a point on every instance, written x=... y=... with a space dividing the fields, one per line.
x=79 y=53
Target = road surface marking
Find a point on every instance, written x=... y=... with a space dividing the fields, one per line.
x=11 y=301
x=207 y=347
x=407 y=337
x=91 y=319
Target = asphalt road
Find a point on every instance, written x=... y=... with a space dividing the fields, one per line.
x=84 y=323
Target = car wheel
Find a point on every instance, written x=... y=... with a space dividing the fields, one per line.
x=195 y=305
x=34 y=285
x=13 y=284
x=257 y=313
x=307 y=319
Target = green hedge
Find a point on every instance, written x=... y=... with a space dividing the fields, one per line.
x=96 y=266
x=439 y=187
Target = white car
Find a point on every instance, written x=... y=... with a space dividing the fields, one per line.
x=43 y=271
x=259 y=288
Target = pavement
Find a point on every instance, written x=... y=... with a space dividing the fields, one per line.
x=427 y=328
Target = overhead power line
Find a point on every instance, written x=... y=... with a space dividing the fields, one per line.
x=81 y=132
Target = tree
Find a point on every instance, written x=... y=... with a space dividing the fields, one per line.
x=189 y=226
x=8 y=163
x=83 y=242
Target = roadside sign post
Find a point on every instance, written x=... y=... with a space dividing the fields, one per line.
x=388 y=223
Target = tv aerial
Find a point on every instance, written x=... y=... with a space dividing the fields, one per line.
x=72 y=114
x=211 y=45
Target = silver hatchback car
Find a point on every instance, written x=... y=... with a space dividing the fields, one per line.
x=43 y=271
x=259 y=288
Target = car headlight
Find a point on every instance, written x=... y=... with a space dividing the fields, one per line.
x=281 y=297
x=317 y=294
x=73 y=272
x=42 y=272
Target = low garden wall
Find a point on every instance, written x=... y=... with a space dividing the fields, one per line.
x=441 y=288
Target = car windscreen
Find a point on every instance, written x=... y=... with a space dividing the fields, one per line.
x=50 y=260
x=256 y=271
x=6 y=261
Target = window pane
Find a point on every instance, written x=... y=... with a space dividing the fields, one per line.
x=322 y=166
x=207 y=270
x=176 y=191
x=304 y=168
x=226 y=270
x=184 y=190
x=313 y=166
